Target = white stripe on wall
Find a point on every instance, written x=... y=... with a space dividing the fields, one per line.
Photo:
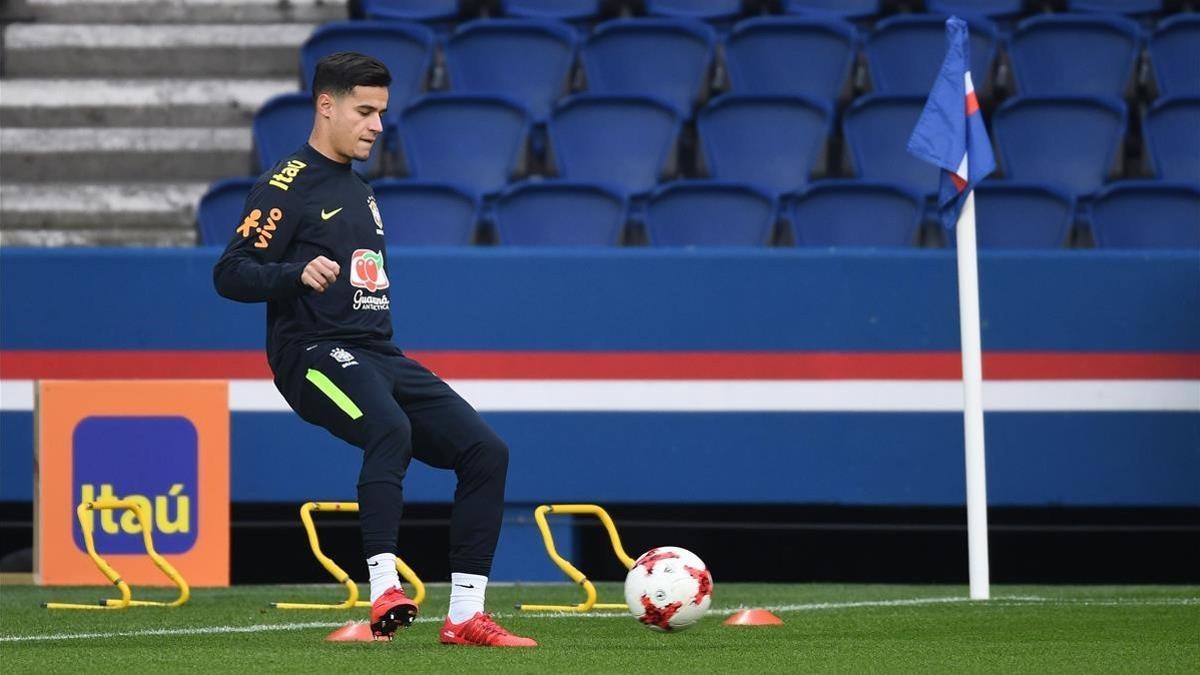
x=16 y=395
x=757 y=395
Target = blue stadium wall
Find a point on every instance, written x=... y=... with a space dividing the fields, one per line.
x=772 y=376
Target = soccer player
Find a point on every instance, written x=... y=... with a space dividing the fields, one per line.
x=311 y=245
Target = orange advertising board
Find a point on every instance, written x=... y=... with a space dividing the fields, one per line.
x=163 y=443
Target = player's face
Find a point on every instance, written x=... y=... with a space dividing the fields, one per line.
x=357 y=121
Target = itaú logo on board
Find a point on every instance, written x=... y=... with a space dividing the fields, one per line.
x=151 y=460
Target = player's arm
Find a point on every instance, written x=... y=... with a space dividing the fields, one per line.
x=252 y=268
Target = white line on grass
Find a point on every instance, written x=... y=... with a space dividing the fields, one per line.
x=807 y=607
x=199 y=630
x=1099 y=602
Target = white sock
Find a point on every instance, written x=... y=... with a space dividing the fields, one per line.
x=466 y=596
x=383 y=574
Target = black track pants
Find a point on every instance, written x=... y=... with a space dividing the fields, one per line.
x=394 y=409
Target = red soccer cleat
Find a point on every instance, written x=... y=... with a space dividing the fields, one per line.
x=481 y=631
x=390 y=611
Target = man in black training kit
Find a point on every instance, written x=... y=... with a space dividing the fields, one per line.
x=310 y=244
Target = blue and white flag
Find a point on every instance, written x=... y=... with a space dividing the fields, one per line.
x=950 y=132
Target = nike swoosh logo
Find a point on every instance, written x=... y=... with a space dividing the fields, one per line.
x=465 y=586
x=326 y=215
x=373 y=564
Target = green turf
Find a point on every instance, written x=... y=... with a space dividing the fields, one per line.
x=1025 y=629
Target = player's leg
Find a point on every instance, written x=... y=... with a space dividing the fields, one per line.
x=449 y=434
x=350 y=395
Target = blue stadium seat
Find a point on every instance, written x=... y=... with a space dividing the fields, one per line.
x=906 y=51
x=220 y=210
x=845 y=9
x=876 y=129
x=1020 y=216
x=1067 y=142
x=280 y=126
x=992 y=9
x=1074 y=55
x=1175 y=55
x=425 y=213
x=411 y=10
x=710 y=213
x=708 y=10
x=1116 y=6
x=562 y=10
x=284 y=123
x=626 y=141
x=1172 y=134
x=1147 y=214
x=406 y=49
x=855 y=213
x=528 y=61
x=559 y=213
x=771 y=141
x=474 y=141
x=761 y=56
x=665 y=58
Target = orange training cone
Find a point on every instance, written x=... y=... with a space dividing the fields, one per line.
x=353 y=631
x=753 y=617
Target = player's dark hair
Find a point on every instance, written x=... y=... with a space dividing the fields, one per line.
x=338 y=74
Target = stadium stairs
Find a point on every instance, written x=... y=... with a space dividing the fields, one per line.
x=115 y=115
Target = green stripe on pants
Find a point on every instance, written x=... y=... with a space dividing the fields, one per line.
x=336 y=395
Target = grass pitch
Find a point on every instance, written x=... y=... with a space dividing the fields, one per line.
x=827 y=628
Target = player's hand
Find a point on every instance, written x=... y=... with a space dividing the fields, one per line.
x=319 y=273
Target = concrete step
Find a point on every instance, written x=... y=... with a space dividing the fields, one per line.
x=134 y=103
x=15 y=10
x=66 y=214
x=154 y=50
x=186 y=11
x=98 y=237
x=124 y=154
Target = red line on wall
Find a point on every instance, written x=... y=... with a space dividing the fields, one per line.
x=115 y=364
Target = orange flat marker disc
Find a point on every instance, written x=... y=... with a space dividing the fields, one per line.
x=753 y=617
x=353 y=631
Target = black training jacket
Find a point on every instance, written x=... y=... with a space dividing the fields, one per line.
x=305 y=206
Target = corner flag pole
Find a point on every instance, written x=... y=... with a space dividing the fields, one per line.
x=972 y=366
x=951 y=135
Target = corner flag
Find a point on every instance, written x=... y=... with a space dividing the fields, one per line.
x=951 y=135
x=950 y=132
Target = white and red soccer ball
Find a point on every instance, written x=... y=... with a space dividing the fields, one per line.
x=668 y=588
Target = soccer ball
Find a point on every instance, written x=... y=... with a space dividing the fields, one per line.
x=668 y=589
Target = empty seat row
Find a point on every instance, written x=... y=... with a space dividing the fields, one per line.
x=721 y=213
x=1003 y=10
x=1071 y=142
x=531 y=61
x=725 y=10
x=773 y=141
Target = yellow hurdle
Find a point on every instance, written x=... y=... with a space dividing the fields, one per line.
x=589 y=602
x=337 y=572
x=85 y=523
